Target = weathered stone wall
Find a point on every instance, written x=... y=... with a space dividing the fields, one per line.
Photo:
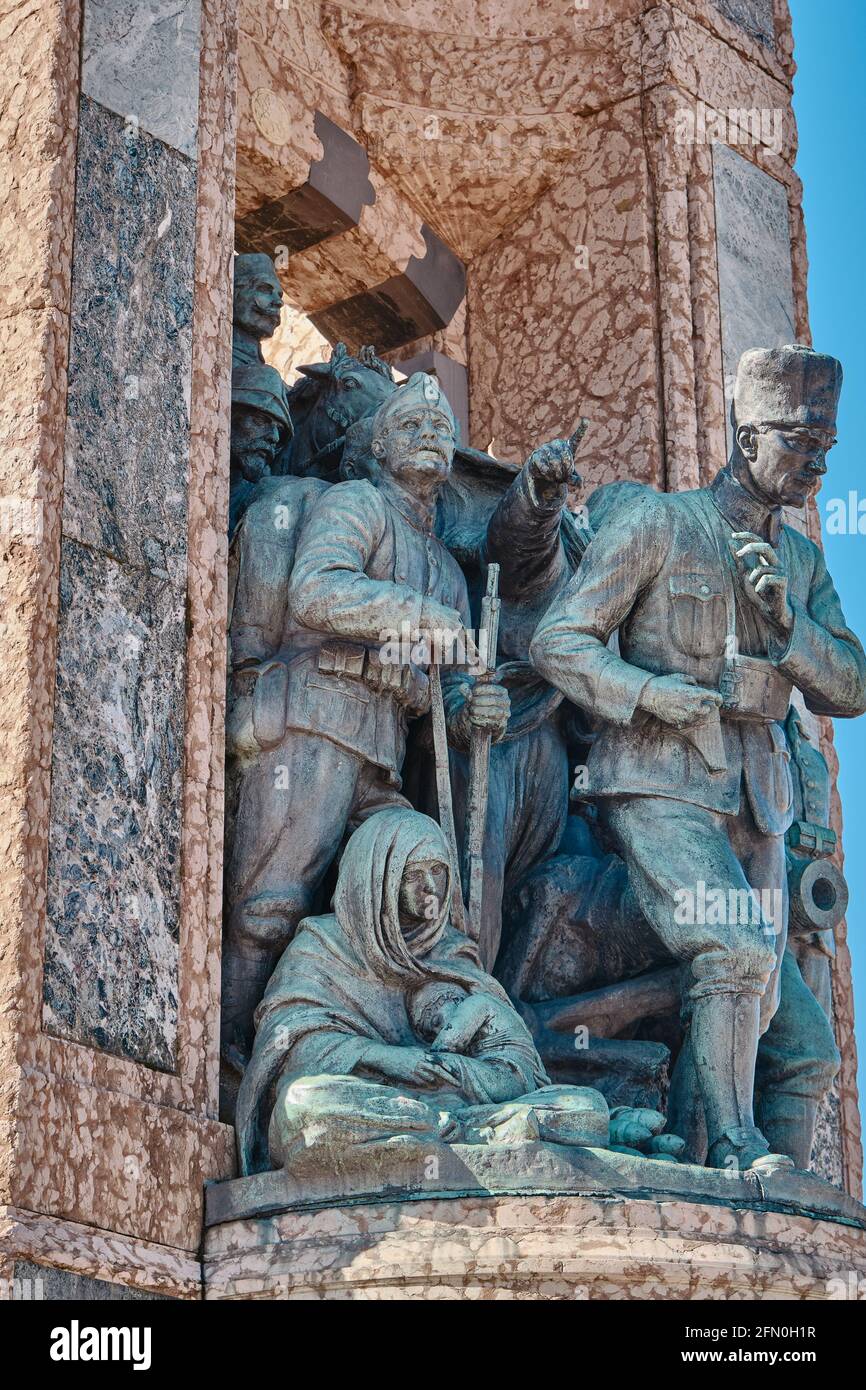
x=753 y=238
x=111 y=958
x=529 y=149
x=532 y=1248
x=114 y=634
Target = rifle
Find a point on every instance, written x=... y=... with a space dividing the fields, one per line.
x=479 y=759
x=443 y=794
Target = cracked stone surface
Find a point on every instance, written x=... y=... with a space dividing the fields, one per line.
x=754 y=245
x=130 y=358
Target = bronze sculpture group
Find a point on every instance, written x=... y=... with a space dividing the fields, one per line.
x=680 y=902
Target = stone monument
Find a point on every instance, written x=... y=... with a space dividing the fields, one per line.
x=422 y=868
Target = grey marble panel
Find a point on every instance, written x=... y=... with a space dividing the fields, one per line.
x=111 y=949
x=827 y=1144
x=33 y=1282
x=141 y=59
x=755 y=16
x=753 y=238
x=127 y=438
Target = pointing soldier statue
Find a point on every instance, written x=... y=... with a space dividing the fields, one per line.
x=329 y=716
x=721 y=611
x=535 y=541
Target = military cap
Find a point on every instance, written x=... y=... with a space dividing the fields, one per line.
x=420 y=390
x=261 y=386
x=789 y=385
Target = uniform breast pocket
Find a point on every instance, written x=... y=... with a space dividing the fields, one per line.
x=697 y=605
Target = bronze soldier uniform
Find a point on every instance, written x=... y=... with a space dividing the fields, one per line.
x=537 y=546
x=798 y=1058
x=710 y=803
x=330 y=717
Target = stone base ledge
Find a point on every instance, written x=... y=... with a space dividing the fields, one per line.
x=407 y=1168
x=533 y=1248
x=112 y=1162
x=137 y=1265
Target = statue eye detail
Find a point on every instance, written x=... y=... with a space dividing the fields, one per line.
x=351 y=383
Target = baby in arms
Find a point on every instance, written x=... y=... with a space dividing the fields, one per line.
x=475 y=1025
x=450 y=1020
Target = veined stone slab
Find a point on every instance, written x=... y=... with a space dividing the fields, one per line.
x=111 y=949
x=755 y=16
x=753 y=240
x=140 y=58
x=598 y=1240
x=130 y=357
x=827 y=1144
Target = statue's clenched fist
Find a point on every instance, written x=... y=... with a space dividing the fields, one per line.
x=678 y=700
x=440 y=625
x=488 y=706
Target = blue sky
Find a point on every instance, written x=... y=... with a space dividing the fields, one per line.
x=830 y=39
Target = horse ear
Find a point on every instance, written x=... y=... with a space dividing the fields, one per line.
x=318 y=369
x=367 y=356
x=339 y=354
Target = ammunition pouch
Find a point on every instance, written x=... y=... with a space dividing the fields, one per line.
x=753 y=688
x=407 y=685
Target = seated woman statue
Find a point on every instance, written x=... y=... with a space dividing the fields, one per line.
x=378 y=1022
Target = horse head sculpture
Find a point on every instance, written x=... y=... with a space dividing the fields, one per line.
x=329 y=398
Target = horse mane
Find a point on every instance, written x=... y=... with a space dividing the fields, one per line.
x=302 y=398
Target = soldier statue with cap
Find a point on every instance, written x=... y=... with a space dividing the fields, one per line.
x=722 y=610
x=260 y=423
x=261 y=419
x=256 y=306
x=328 y=711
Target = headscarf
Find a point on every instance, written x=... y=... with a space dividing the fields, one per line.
x=343 y=981
x=367 y=899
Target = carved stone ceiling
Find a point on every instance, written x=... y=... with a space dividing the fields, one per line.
x=467 y=108
x=467 y=113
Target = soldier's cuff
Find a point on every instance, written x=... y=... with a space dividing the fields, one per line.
x=618 y=692
x=455 y=694
x=549 y=498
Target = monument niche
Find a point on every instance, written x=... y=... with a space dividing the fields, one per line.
x=398 y=1025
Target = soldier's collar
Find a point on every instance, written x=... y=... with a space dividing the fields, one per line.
x=419 y=515
x=742 y=510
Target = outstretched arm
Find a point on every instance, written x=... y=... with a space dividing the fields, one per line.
x=570 y=645
x=523 y=533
